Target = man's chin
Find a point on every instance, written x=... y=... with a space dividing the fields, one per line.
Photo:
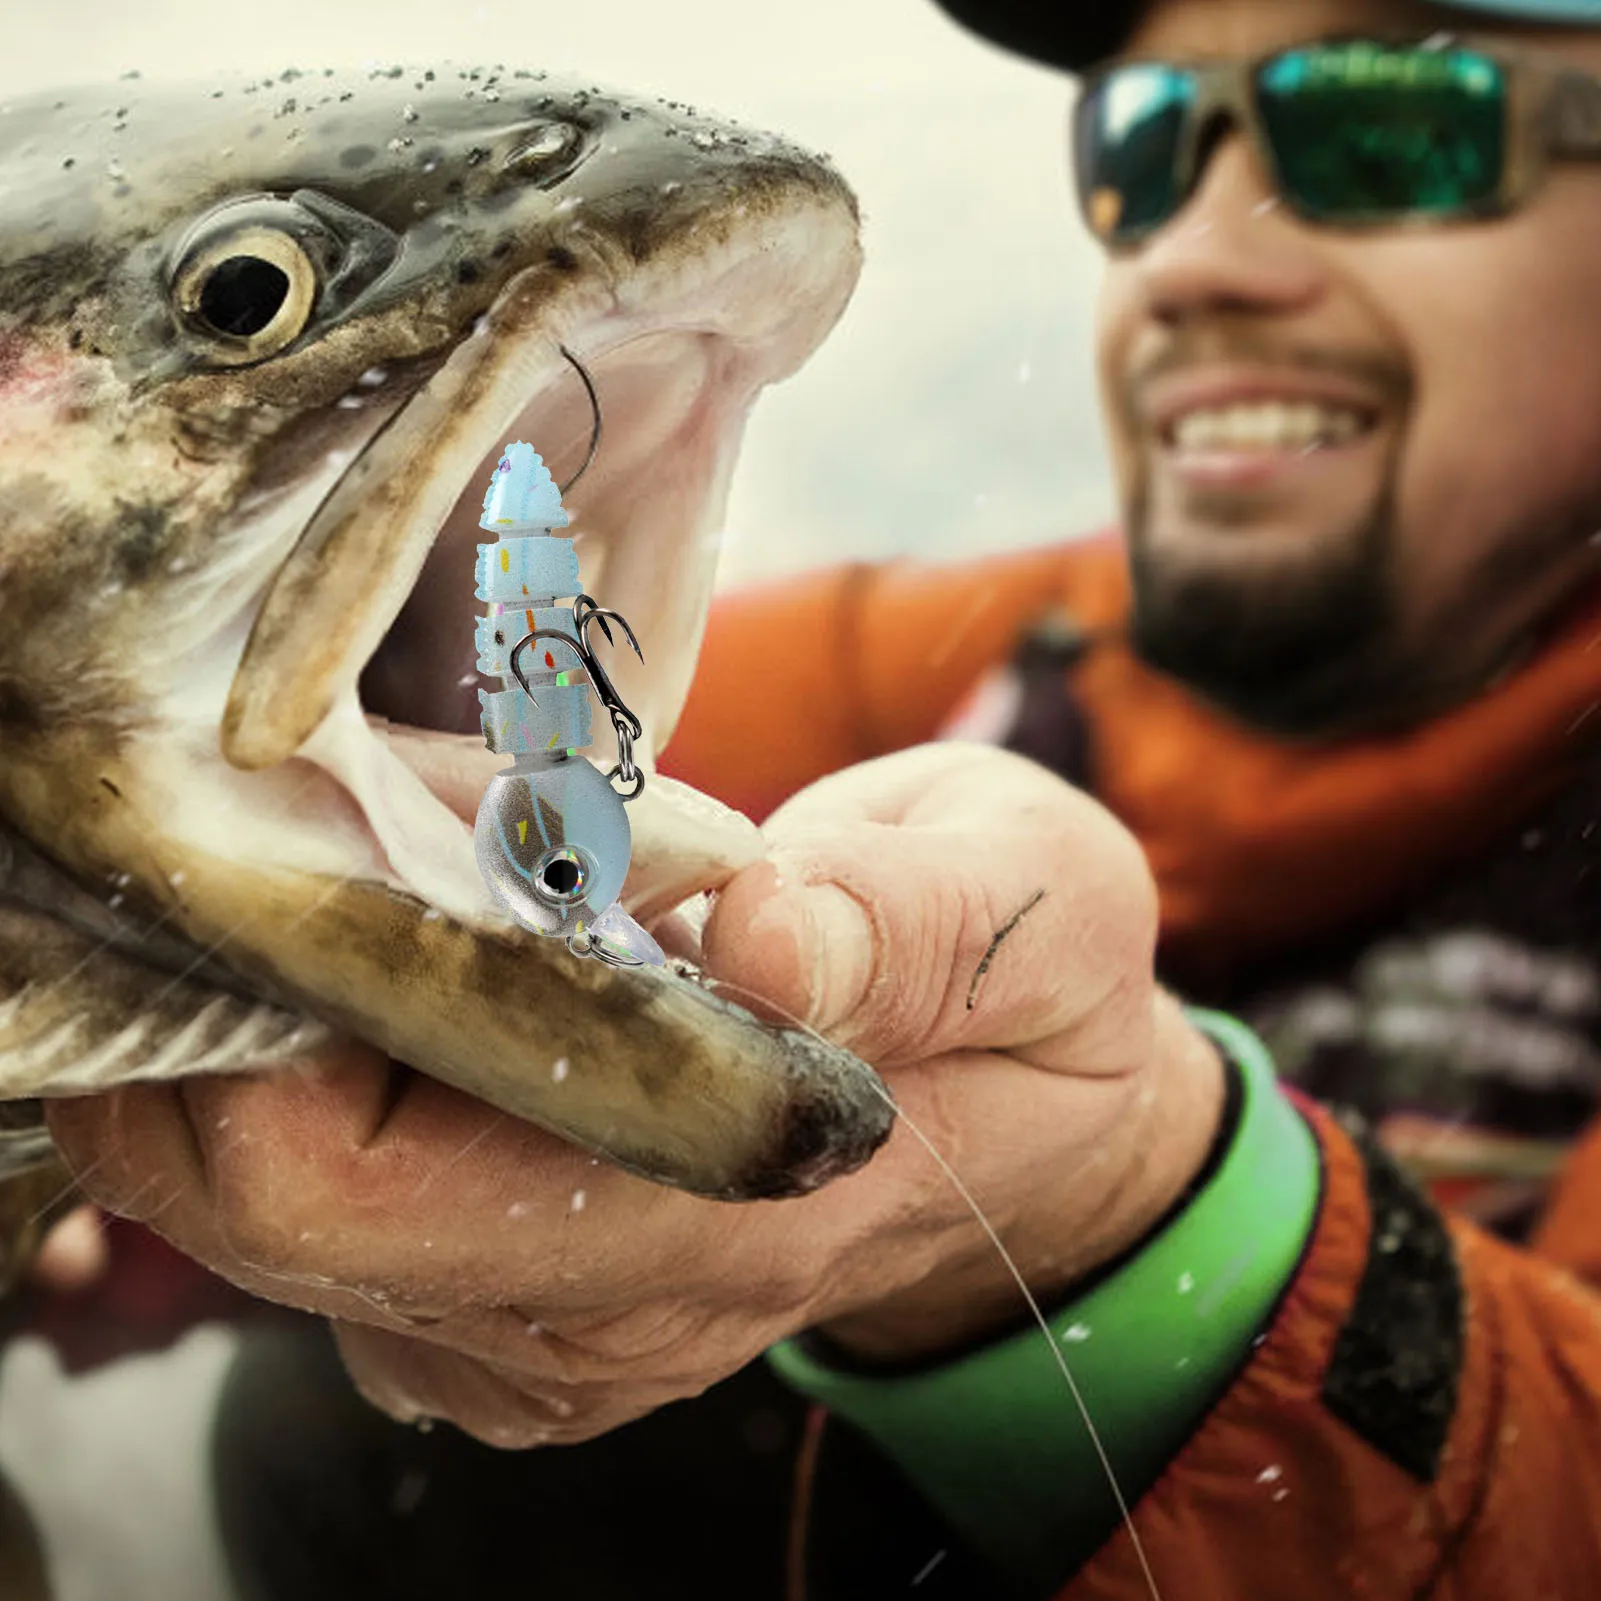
x=1311 y=706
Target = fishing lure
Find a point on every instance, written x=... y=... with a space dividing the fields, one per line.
x=552 y=837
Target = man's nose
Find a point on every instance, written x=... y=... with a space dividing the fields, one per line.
x=1232 y=247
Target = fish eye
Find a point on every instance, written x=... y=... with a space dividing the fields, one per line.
x=248 y=293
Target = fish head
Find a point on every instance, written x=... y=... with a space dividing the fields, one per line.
x=261 y=344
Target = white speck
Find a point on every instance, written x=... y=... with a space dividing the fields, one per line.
x=1182 y=1363
x=431 y=915
x=1186 y=1283
x=466 y=681
x=570 y=203
x=175 y=879
x=428 y=1245
x=350 y=402
x=1075 y=1334
x=223 y=1122
x=373 y=377
x=408 y=113
x=1263 y=207
x=338 y=458
x=674 y=186
x=177 y=565
x=535 y=1330
x=928 y=1567
x=558 y=1070
x=517 y=1209
x=115 y=902
x=114 y=170
x=579 y=1200
x=1270 y=1474
x=1279 y=1495
x=702 y=140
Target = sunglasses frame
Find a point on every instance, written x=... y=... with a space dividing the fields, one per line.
x=1553 y=113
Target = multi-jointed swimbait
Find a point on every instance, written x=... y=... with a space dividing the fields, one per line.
x=552 y=838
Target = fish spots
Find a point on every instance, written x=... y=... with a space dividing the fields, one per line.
x=562 y=259
x=106 y=782
x=354 y=156
x=468 y=272
x=522 y=831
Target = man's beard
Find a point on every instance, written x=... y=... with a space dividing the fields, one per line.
x=1303 y=654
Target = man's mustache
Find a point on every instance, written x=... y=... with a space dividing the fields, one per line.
x=1220 y=344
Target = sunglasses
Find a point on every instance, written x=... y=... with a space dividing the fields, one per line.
x=1354 y=132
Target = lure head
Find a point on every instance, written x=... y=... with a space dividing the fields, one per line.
x=553 y=844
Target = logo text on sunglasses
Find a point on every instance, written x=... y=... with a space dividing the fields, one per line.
x=1371 y=67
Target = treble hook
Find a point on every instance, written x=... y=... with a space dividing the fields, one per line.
x=594 y=406
x=625 y=724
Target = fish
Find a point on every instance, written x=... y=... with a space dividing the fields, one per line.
x=262 y=340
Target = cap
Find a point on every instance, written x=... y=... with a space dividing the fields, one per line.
x=1074 y=34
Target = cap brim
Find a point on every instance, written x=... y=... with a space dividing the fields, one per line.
x=1063 y=33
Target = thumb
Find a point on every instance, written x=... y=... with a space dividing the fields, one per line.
x=948 y=897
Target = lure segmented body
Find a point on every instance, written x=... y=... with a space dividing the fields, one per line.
x=552 y=837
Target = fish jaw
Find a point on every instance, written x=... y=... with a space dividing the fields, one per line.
x=209 y=747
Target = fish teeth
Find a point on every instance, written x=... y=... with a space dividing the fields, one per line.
x=1267 y=425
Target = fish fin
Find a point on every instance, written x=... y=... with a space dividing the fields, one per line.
x=77 y=1016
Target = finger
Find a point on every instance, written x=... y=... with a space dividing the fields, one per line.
x=75 y=1253
x=952 y=897
x=345 y=1186
x=412 y=1380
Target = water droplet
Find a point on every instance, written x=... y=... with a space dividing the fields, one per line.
x=1075 y=1334
x=559 y=1069
x=580 y=1200
x=1270 y=1474
x=1186 y=1283
x=517 y=1209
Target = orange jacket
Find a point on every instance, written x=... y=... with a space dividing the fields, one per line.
x=1277 y=1493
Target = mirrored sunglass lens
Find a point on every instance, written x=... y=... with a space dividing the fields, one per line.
x=1127 y=133
x=1368 y=131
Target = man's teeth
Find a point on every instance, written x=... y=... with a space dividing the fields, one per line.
x=1267 y=425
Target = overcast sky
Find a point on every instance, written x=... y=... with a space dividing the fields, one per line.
x=952 y=410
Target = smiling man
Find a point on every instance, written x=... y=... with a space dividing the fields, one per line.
x=1333 y=697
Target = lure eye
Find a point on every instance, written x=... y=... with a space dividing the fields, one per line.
x=248 y=294
x=561 y=876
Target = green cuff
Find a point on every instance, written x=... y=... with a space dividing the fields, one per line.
x=994 y=1440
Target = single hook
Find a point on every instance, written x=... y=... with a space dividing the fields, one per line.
x=594 y=404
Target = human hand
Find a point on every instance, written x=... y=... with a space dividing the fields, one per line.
x=479 y=1269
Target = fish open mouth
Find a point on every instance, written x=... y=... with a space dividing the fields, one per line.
x=279 y=763
x=362 y=662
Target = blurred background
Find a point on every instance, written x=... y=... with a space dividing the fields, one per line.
x=952 y=411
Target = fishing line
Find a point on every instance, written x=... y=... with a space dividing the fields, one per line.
x=968 y=1199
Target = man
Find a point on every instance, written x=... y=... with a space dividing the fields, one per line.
x=1350 y=349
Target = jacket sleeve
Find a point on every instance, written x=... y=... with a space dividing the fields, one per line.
x=1416 y=1413
x=799 y=678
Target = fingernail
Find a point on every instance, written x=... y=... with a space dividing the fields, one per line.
x=842 y=947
